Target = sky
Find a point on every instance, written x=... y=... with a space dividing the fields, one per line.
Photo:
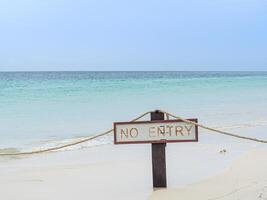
x=123 y=35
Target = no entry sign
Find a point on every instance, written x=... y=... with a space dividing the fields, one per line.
x=155 y=132
x=158 y=132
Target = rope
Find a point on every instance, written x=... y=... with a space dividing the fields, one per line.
x=70 y=144
x=213 y=129
x=135 y=119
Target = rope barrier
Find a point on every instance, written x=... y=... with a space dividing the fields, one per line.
x=70 y=144
x=135 y=119
x=213 y=129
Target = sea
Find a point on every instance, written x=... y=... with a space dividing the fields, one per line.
x=46 y=109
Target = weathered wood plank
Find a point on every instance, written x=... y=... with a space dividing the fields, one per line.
x=158 y=157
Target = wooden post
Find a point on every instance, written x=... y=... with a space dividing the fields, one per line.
x=158 y=157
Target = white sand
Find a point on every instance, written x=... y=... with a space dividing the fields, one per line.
x=246 y=179
x=124 y=172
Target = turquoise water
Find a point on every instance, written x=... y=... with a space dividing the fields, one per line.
x=36 y=107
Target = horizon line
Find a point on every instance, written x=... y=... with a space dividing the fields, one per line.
x=133 y=71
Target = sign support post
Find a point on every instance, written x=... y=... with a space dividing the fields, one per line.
x=157 y=132
x=158 y=157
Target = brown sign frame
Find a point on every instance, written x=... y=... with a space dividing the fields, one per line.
x=154 y=141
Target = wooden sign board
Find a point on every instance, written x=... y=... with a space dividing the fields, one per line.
x=159 y=131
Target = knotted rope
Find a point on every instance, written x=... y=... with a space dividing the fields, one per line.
x=135 y=119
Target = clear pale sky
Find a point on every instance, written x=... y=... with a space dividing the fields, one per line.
x=133 y=35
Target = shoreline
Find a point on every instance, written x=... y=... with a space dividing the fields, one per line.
x=120 y=171
x=245 y=179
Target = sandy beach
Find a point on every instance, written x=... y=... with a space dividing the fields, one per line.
x=245 y=179
x=124 y=172
x=133 y=100
x=47 y=110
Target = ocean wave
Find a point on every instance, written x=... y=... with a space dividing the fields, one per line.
x=9 y=150
x=243 y=125
x=107 y=139
x=47 y=144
